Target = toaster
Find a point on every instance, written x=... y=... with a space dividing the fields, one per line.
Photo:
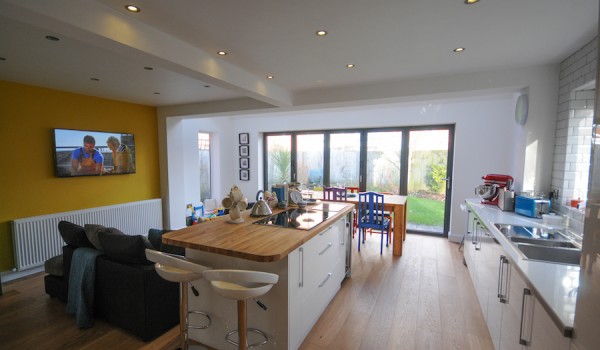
x=532 y=206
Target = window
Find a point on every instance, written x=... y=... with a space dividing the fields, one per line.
x=279 y=159
x=204 y=161
x=310 y=159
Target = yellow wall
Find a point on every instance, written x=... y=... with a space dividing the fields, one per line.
x=28 y=185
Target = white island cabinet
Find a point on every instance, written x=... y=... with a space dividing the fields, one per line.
x=311 y=265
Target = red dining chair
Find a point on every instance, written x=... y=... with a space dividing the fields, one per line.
x=371 y=216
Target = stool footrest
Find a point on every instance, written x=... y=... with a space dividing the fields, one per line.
x=250 y=346
x=191 y=326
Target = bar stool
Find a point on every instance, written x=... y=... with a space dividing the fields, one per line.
x=241 y=285
x=177 y=268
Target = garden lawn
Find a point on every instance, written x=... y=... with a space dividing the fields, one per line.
x=423 y=211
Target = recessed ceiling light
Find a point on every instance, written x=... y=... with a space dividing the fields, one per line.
x=52 y=38
x=471 y=2
x=350 y=65
x=95 y=79
x=270 y=77
x=321 y=32
x=459 y=49
x=157 y=93
x=132 y=8
x=206 y=86
x=2 y=58
x=222 y=53
x=148 y=68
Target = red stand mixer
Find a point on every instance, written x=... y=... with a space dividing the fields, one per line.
x=492 y=183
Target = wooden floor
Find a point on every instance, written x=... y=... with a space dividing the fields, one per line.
x=423 y=300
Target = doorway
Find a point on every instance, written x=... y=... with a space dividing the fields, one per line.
x=428 y=180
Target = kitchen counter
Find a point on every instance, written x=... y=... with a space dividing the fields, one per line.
x=246 y=240
x=554 y=284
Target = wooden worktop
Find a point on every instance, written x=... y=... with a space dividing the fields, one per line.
x=247 y=241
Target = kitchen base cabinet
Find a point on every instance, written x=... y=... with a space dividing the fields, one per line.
x=316 y=271
x=516 y=319
x=545 y=335
x=511 y=331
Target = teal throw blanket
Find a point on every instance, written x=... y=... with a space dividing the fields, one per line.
x=80 y=300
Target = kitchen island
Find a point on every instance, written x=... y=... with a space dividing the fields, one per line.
x=311 y=264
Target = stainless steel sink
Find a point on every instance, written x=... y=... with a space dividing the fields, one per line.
x=550 y=254
x=538 y=243
x=543 y=242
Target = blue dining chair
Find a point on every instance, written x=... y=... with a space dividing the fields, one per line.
x=372 y=216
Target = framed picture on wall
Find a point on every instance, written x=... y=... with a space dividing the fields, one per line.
x=244 y=163
x=245 y=175
x=244 y=138
x=244 y=151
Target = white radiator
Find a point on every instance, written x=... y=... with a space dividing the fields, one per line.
x=36 y=238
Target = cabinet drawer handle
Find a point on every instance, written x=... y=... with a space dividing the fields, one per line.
x=301 y=282
x=325 y=280
x=324 y=250
x=325 y=230
x=522 y=341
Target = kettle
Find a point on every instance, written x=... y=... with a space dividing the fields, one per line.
x=260 y=208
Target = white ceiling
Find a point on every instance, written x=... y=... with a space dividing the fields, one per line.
x=388 y=40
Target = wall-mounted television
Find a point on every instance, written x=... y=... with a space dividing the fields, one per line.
x=93 y=153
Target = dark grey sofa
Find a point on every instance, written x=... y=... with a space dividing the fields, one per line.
x=131 y=296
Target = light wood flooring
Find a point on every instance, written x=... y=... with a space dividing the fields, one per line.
x=423 y=300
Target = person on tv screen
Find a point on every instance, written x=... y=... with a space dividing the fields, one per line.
x=87 y=160
x=121 y=154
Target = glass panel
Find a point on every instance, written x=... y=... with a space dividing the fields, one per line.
x=310 y=160
x=279 y=159
x=204 y=154
x=345 y=159
x=383 y=161
x=427 y=165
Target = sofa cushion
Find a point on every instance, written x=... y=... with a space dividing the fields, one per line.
x=73 y=234
x=155 y=238
x=54 y=266
x=123 y=248
x=91 y=232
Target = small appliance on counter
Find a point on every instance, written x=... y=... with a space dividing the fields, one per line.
x=492 y=183
x=506 y=199
x=532 y=205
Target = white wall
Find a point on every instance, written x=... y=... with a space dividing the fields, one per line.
x=487 y=140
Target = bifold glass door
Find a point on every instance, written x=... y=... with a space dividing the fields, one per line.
x=408 y=161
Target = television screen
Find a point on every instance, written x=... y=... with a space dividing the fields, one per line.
x=89 y=153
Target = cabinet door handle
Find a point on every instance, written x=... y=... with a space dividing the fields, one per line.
x=505 y=279
x=325 y=280
x=301 y=282
x=324 y=250
x=522 y=341
x=500 y=275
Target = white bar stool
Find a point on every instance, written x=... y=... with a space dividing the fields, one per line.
x=177 y=268
x=241 y=285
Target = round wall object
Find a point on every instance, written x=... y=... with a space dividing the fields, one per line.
x=521 y=109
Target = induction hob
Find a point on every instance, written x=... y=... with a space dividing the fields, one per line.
x=295 y=218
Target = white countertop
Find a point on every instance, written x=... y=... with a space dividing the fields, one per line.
x=554 y=283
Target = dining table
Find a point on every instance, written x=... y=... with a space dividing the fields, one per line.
x=393 y=203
